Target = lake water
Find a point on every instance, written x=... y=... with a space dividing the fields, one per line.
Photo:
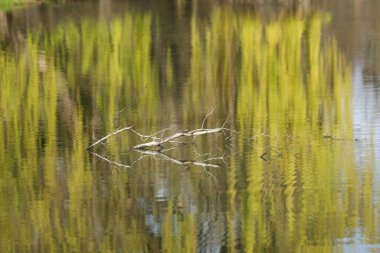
x=297 y=86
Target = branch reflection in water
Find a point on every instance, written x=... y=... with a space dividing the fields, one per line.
x=64 y=81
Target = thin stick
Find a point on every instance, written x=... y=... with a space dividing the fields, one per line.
x=105 y=137
x=210 y=111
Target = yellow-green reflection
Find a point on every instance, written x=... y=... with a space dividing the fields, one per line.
x=290 y=187
x=12 y=4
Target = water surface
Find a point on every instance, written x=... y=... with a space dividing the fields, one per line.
x=299 y=85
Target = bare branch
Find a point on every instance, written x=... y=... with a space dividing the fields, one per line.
x=163 y=131
x=210 y=111
x=138 y=159
x=188 y=133
x=144 y=137
x=105 y=137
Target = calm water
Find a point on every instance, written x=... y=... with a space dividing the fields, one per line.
x=300 y=85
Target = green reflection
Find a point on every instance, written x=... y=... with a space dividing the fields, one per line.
x=11 y=4
x=289 y=188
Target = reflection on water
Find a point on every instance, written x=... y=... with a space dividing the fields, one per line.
x=297 y=178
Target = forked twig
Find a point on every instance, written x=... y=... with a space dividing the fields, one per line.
x=159 y=141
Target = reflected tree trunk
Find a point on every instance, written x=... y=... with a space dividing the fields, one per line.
x=105 y=10
x=3 y=25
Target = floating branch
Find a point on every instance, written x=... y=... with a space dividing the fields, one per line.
x=157 y=139
x=147 y=149
x=186 y=133
x=117 y=131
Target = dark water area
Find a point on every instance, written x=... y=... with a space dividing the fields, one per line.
x=297 y=86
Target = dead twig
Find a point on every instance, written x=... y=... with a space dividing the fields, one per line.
x=105 y=137
x=186 y=133
x=159 y=141
x=208 y=114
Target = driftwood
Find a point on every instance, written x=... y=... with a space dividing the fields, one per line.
x=152 y=145
x=186 y=133
x=159 y=141
x=117 y=131
x=156 y=141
